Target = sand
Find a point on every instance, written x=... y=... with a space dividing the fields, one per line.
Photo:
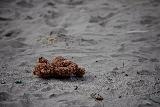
x=116 y=41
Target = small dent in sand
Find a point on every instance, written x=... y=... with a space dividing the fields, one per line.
x=148 y=20
x=4 y=96
x=52 y=95
x=51 y=4
x=28 y=18
x=3 y=82
x=154 y=60
x=87 y=42
x=70 y=2
x=46 y=89
x=96 y=96
x=24 y=4
x=76 y=87
x=116 y=68
x=120 y=96
x=12 y=33
x=139 y=40
x=38 y=95
x=138 y=83
x=142 y=59
x=126 y=75
x=143 y=72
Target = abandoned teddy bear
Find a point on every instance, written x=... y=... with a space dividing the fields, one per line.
x=59 y=67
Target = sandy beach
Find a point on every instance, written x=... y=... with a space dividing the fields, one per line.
x=116 y=41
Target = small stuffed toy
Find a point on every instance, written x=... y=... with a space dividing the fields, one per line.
x=59 y=67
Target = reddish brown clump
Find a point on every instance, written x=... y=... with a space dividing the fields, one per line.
x=59 y=67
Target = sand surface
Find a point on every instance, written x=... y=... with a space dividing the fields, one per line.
x=117 y=41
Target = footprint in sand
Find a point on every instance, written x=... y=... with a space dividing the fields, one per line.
x=46 y=89
x=52 y=20
x=12 y=44
x=25 y=4
x=139 y=40
x=154 y=60
x=142 y=59
x=7 y=1
x=150 y=49
x=11 y=33
x=1 y=31
x=7 y=14
x=50 y=4
x=38 y=95
x=76 y=103
x=23 y=63
x=144 y=72
x=101 y=20
x=148 y=20
x=146 y=103
x=70 y=2
x=96 y=19
x=134 y=84
x=11 y=47
x=5 y=96
x=122 y=48
x=155 y=3
x=58 y=95
x=87 y=42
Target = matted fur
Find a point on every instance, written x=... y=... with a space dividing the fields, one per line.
x=59 y=67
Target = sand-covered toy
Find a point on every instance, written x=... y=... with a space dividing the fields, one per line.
x=59 y=67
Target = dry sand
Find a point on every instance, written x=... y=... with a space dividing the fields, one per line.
x=117 y=41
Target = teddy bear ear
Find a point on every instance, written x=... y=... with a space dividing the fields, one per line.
x=42 y=60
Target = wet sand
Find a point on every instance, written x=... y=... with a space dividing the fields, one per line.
x=117 y=41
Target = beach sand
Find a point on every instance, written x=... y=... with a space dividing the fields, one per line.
x=116 y=41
